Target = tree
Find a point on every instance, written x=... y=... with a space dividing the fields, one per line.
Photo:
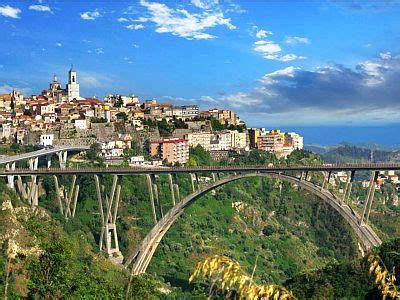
x=92 y=153
x=136 y=149
x=164 y=128
x=119 y=102
x=200 y=157
x=122 y=116
x=98 y=120
x=50 y=274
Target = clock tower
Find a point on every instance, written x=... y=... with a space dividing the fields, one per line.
x=72 y=86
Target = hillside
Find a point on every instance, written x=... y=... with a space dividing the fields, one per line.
x=288 y=232
x=349 y=154
x=347 y=280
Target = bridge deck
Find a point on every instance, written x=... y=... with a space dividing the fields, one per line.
x=39 y=153
x=165 y=170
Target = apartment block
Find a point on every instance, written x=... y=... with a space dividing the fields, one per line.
x=171 y=150
x=200 y=138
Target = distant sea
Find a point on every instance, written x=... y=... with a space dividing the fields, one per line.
x=386 y=135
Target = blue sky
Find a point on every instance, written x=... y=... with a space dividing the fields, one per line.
x=277 y=63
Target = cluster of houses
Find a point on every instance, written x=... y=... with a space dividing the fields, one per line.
x=59 y=107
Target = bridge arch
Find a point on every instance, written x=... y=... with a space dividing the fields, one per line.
x=143 y=254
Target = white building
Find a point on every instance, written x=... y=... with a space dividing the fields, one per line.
x=139 y=161
x=200 y=138
x=238 y=140
x=46 y=139
x=5 y=130
x=295 y=140
x=225 y=140
x=186 y=111
x=221 y=141
x=80 y=123
x=138 y=124
x=72 y=86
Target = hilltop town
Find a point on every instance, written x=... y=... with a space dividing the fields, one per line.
x=118 y=124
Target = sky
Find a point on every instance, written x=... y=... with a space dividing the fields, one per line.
x=276 y=63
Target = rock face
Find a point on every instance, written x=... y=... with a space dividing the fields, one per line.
x=395 y=200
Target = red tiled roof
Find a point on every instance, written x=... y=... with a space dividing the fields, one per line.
x=169 y=141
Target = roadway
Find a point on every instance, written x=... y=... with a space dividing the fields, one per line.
x=39 y=153
x=208 y=169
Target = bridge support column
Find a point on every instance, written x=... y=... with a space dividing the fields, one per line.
x=68 y=196
x=48 y=160
x=62 y=157
x=33 y=163
x=171 y=188
x=176 y=186
x=150 y=188
x=349 y=184
x=108 y=236
x=22 y=188
x=33 y=187
x=11 y=178
x=194 y=178
x=369 y=199
x=213 y=177
x=33 y=191
x=155 y=188
x=325 y=184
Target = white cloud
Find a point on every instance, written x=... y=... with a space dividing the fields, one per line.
x=272 y=51
x=273 y=77
x=290 y=57
x=241 y=99
x=374 y=70
x=94 y=80
x=208 y=99
x=140 y=19
x=135 y=26
x=122 y=19
x=336 y=94
x=6 y=89
x=59 y=44
x=296 y=40
x=205 y=4
x=180 y=22
x=235 y=8
x=263 y=33
x=267 y=47
x=128 y=60
x=37 y=7
x=135 y=46
x=99 y=51
x=90 y=15
x=11 y=12
x=386 y=55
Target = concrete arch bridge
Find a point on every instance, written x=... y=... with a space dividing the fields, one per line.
x=138 y=261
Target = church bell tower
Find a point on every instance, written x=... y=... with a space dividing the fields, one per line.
x=72 y=86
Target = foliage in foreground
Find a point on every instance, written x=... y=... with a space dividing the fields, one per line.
x=384 y=279
x=350 y=279
x=39 y=260
x=230 y=278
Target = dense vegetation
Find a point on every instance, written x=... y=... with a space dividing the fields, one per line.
x=289 y=232
x=346 y=280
